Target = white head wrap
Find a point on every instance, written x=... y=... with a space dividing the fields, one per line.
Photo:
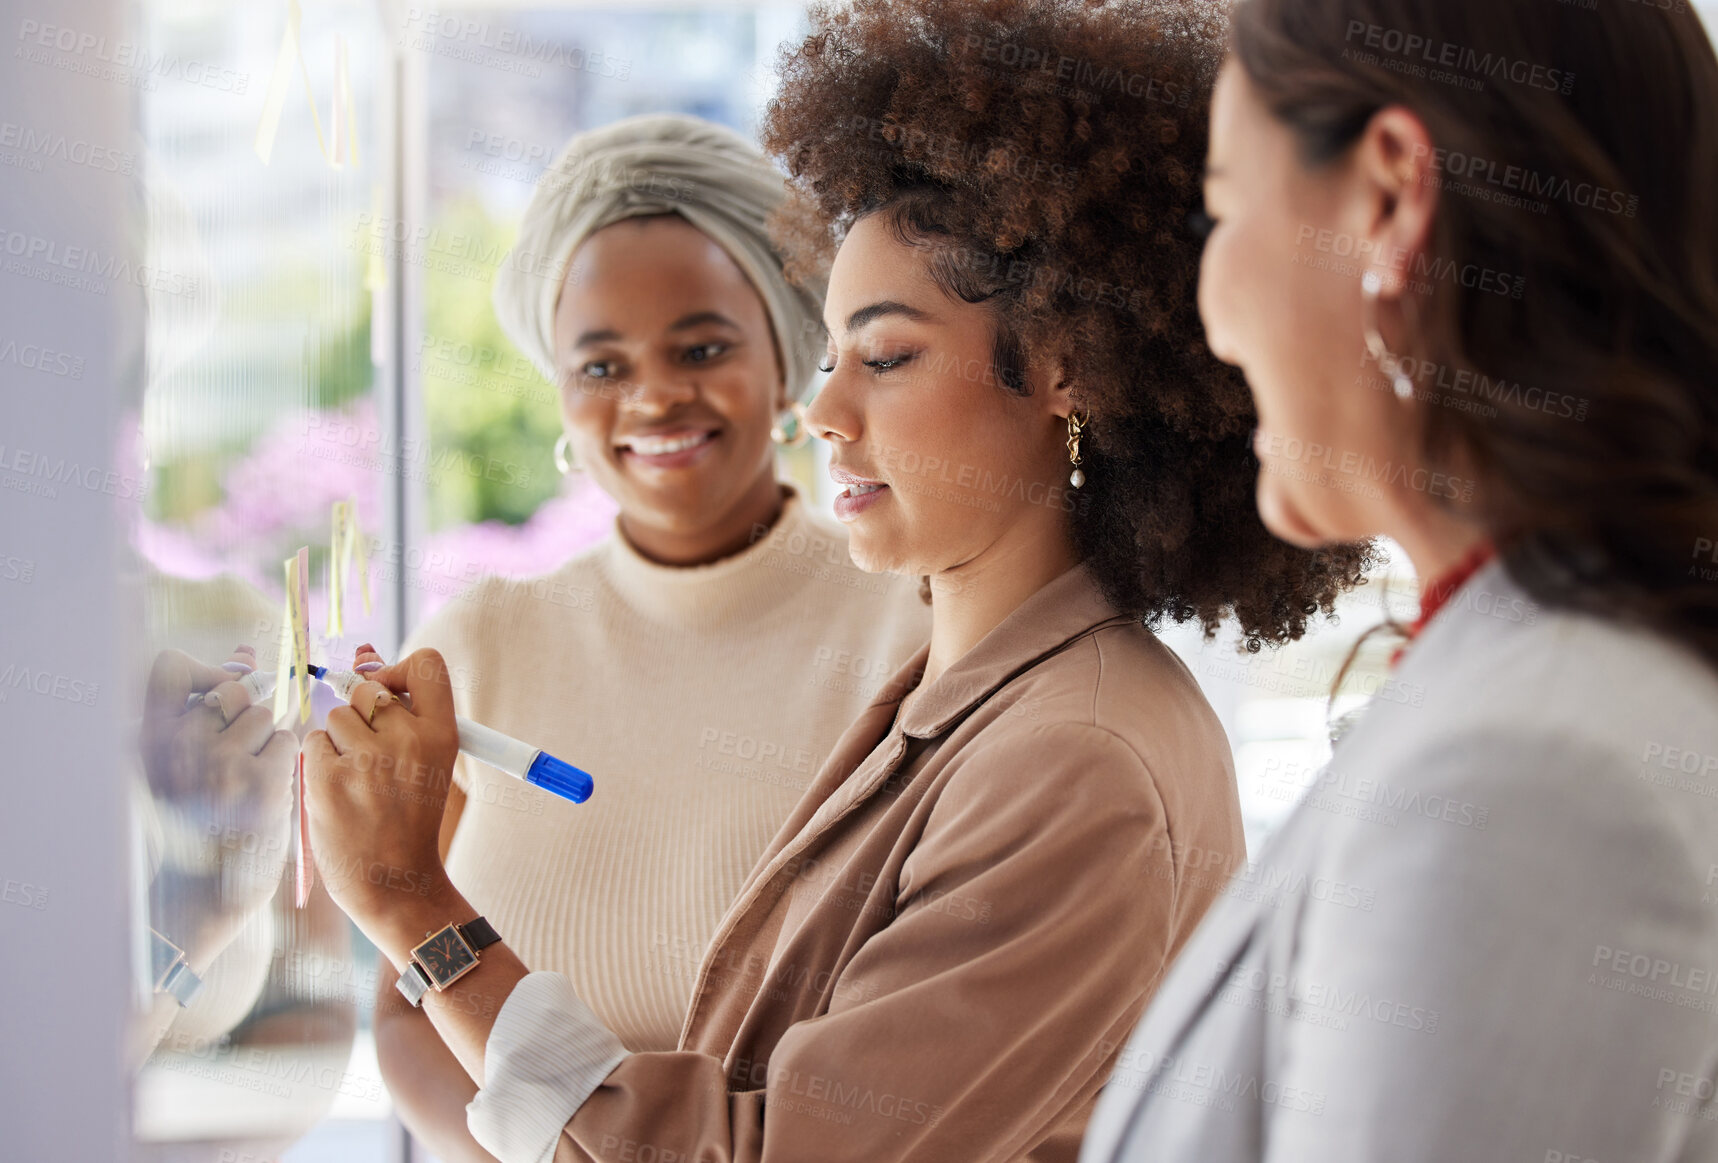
x=662 y=163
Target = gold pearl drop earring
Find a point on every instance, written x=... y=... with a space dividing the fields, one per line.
x=1371 y=287
x=1076 y=422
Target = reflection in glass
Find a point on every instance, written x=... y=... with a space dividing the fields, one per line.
x=260 y=393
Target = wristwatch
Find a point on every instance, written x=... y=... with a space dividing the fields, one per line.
x=173 y=975
x=446 y=955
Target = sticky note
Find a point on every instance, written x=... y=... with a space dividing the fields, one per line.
x=343 y=116
x=283 y=656
x=298 y=598
x=360 y=555
x=346 y=553
x=304 y=871
x=336 y=571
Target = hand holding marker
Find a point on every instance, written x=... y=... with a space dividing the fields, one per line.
x=484 y=744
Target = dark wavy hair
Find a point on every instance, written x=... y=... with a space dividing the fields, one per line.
x=1578 y=149
x=1048 y=153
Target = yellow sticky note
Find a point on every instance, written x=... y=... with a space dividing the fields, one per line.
x=345 y=551
x=298 y=595
x=337 y=553
x=343 y=115
x=276 y=99
x=359 y=552
x=283 y=656
x=309 y=93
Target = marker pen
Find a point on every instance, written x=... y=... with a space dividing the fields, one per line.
x=484 y=744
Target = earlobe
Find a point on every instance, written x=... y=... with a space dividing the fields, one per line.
x=1061 y=393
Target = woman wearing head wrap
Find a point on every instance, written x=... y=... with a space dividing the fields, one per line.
x=702 y=660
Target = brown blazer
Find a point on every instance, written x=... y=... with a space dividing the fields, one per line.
x=939 y=954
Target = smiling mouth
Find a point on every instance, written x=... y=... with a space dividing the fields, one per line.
x=665 y=445
x=859 y=490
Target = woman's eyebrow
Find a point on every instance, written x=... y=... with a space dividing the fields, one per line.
x=879 y=309
x=602 y=335
x=684 y=323
x=700 y=318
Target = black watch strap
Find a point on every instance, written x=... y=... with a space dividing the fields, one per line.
x=479 y=934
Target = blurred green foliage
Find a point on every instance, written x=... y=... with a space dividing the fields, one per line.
x=337 y=356
x=482 y=399
x=180 y=489
x=340 y=365
x=492 y=420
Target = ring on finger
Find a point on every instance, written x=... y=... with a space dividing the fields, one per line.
x=369 y=697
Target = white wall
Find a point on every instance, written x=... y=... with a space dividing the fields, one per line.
x=63 y=874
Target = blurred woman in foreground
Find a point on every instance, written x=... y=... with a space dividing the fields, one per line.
x=1524 y=335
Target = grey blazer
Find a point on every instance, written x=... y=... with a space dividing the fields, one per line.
x=1489 y=931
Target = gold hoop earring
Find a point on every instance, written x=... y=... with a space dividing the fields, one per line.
x=790 y=430
x=1076 y=424
x=563 y=456
x=1371 y=285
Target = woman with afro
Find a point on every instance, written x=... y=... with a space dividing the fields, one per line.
x=940 y=951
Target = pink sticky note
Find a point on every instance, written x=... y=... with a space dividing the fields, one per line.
x=306 y=870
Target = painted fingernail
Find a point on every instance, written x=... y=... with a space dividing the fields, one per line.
x=367 y=667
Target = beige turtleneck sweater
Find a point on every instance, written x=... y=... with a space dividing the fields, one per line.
x=702 y=700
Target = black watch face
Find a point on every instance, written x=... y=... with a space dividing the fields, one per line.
x=445 y=956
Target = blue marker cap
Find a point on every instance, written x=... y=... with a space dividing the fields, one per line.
x=563 y=779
